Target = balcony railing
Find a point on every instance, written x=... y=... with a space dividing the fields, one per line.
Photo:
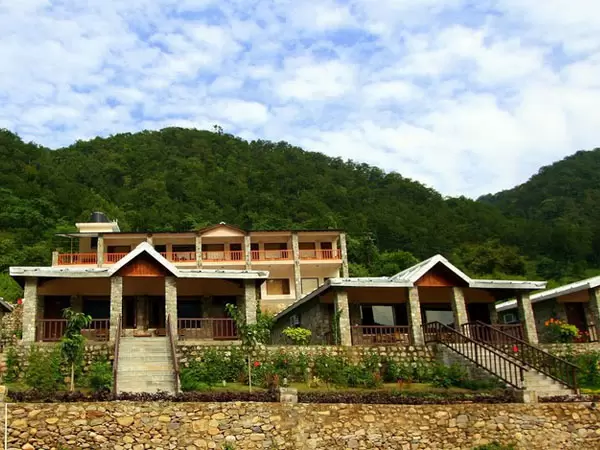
x=179 y=256
x=65 y=259
x=271 y=255
x=380 y=335
x=321 y=254
x=52 y=330
x=111 y=258
x=235 y=255
x=215 y=329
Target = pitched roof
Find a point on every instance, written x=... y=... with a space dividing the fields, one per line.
x=414 y=273
x=144 y=247
x=5 y=305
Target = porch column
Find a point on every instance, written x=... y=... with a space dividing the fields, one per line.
x=150 y=239
x=116 y=305
x=414 y=316
x=526 y=315
x=594 y=311
x=345 y=271
x=198 y=250
x=248 y=251
x=250 y=301
x=55 y=258
x=493 y=314
x=171 y=303
x=297 y=274
x=342 y=308
x=459 y=308
x=30 y=309
x=100 y=250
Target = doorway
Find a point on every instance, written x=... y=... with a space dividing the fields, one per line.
x=129 y=312
x=479 y=312
x=576 y=315
x=156 y=312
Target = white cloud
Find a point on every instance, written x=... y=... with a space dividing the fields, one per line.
x=468 y=97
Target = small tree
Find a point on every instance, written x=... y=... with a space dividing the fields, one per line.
x=72 y=343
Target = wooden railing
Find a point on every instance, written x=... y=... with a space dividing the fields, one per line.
x=493 y=361
x=66 y=259
x=173 y=353
x=235 y=255
x=529 y=355
x=271 y=255
x=321 y=254
x=52 y=330
x=179 y=256
x=216 y=329
x=514 y=329
x=481 y=333
x=380 y=335
x=116 y=360
x=111 y=258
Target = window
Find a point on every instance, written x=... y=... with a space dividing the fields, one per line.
x=118 y=249
x=437 y=315
x=309 y=285
x=275 y=246
x=377 y=315
x=280 y=286
x=94 y=243
x=326 y=246
x=510 y=318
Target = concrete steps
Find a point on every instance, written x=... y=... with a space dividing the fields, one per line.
x=145 y=365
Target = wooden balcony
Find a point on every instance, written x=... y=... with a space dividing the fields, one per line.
x=111 y=258
x=271 y=255
x=207 y=329
x=320 y=254
x=68 y=259
x=380 y=335
x=219 y=256
x=179 y=257
x=52 y=330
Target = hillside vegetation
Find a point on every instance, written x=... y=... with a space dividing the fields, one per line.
x=181 y=179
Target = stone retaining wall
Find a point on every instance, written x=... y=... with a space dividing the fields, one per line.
x=190 y=426
x=575 y=349
x=187 y=352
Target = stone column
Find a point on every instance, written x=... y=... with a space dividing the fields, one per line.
x=494 y=320
x=116 y=305
x=248 y=251
x=415 y=321
x=141 y=313
x=198 y=250
x=342 y=307
x=55 y=258
x=100 y=250
x=77 y=303
x=30 y=307
x=171 y=303
x=297 y=272
x=250 y=302
x=459 y=308
x=344 y=250
x=593 y=310
x=150 y=239
x=527 y=317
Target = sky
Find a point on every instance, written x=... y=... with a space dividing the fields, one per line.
x=466 y=96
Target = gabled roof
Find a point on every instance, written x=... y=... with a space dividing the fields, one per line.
x=414 y=273
x=221 y=225
x=5 y=305
x=144 y=247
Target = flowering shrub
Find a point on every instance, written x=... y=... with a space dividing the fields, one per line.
x=298 y=336
x=559 y=331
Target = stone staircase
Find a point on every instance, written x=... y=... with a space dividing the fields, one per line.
x=533 y=381
x=145 y=365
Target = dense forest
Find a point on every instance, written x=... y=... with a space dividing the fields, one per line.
x=180 y=179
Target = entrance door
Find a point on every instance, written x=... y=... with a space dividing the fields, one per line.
x=576 y=315
x=129 y=312
x=156 y=310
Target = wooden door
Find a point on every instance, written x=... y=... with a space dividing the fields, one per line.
x=576 y=315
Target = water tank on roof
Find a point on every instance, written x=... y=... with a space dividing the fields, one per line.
x=99 y=217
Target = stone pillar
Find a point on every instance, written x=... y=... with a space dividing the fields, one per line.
x=250 y=302
x=100 y=250
x=171 y=303
x=494 y=320
x=198 y=250
x=77 y=303
x=55 y=258
x=344 y=250
x=116 y=305
x=30 y=307
x=248 y=251
x=150 y=239
x=342 y=307
x=297 y=272
x=593 y=310
x=415 y=321
x=527 y=317
x=459 y=308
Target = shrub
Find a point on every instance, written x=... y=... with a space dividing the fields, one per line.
x=330 y=369
x=446 y=376
x=298 y=336
x=213 y=368
x=588 y=374
x=43 y=372
x=100 y=375
x=559 y=331
x=13 y=365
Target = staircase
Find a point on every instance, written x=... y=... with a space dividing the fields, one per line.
x=513 y=361
x=145 y=365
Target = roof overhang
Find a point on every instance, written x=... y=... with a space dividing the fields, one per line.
x=4 y=305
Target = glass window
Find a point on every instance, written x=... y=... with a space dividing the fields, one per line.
x=309 y=285
x=445 y=317
x=279 y=286
x=377 y=315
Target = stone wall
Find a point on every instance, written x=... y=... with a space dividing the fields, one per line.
x=191 y=426
x=187 y=352
x=314 y=316
x=574 y=349
x=11 y=324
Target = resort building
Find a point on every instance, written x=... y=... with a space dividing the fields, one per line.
x=139 y=280
x=395 y=309
x=576 y=303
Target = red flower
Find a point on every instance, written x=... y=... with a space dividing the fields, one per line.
x=515 y=348
x=19 y=301
x=256 y=364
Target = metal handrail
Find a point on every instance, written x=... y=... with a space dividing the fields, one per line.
x=116 y=359
x=499 y=365
x=173 y=353
x=557 y=368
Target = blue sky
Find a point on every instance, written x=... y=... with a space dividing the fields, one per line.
x=466 y=96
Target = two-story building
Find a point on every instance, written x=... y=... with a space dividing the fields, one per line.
x=141 y=279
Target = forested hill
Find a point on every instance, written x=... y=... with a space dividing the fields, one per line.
x=180 y=179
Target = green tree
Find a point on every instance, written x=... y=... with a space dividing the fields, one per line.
x=72 y=343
